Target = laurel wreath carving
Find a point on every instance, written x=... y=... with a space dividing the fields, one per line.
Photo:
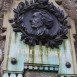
x=30 y=39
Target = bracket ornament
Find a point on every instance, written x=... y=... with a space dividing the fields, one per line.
x=40 y=23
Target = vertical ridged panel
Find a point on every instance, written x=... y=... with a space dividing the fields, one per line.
x=62 y=60
x=19 y=75
x=45 y=55
x=37 y=55
x=62 y=76
x=5 y=75
x=20 y=64
x=12 y=75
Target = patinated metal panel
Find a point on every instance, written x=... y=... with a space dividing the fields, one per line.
x=27 y=54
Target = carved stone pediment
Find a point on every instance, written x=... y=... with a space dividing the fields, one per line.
x=40 y=23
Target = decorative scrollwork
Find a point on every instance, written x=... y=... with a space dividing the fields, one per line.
x=40 y=23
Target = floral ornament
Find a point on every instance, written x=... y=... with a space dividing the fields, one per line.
x=40 y=23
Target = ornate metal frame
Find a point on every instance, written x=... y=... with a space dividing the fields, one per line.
x=47 y=24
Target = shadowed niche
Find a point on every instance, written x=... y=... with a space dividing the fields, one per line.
x=40 y=23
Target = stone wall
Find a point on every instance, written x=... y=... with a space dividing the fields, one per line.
x=4 y=7
x=71 y=8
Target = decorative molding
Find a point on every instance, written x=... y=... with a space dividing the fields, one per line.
x=42 y=67
x=40 y=22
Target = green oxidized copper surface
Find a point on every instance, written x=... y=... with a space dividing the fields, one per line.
x=38 y=54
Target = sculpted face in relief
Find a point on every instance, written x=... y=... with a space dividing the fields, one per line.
x=41 y=21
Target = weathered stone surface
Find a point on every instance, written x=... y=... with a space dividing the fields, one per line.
x=59 y=2
x=0 y=55
x=1 y=22
x=1 y=15
x=40 y=74
x=1 y=4
x=1 y=69
x=71 y=8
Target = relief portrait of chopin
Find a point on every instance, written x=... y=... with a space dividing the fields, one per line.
x=42 y=27
x=41 y=22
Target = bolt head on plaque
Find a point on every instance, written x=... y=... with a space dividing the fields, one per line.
x=68 y=64
x=11 y=20
x=40 y=22
x=13 y=61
